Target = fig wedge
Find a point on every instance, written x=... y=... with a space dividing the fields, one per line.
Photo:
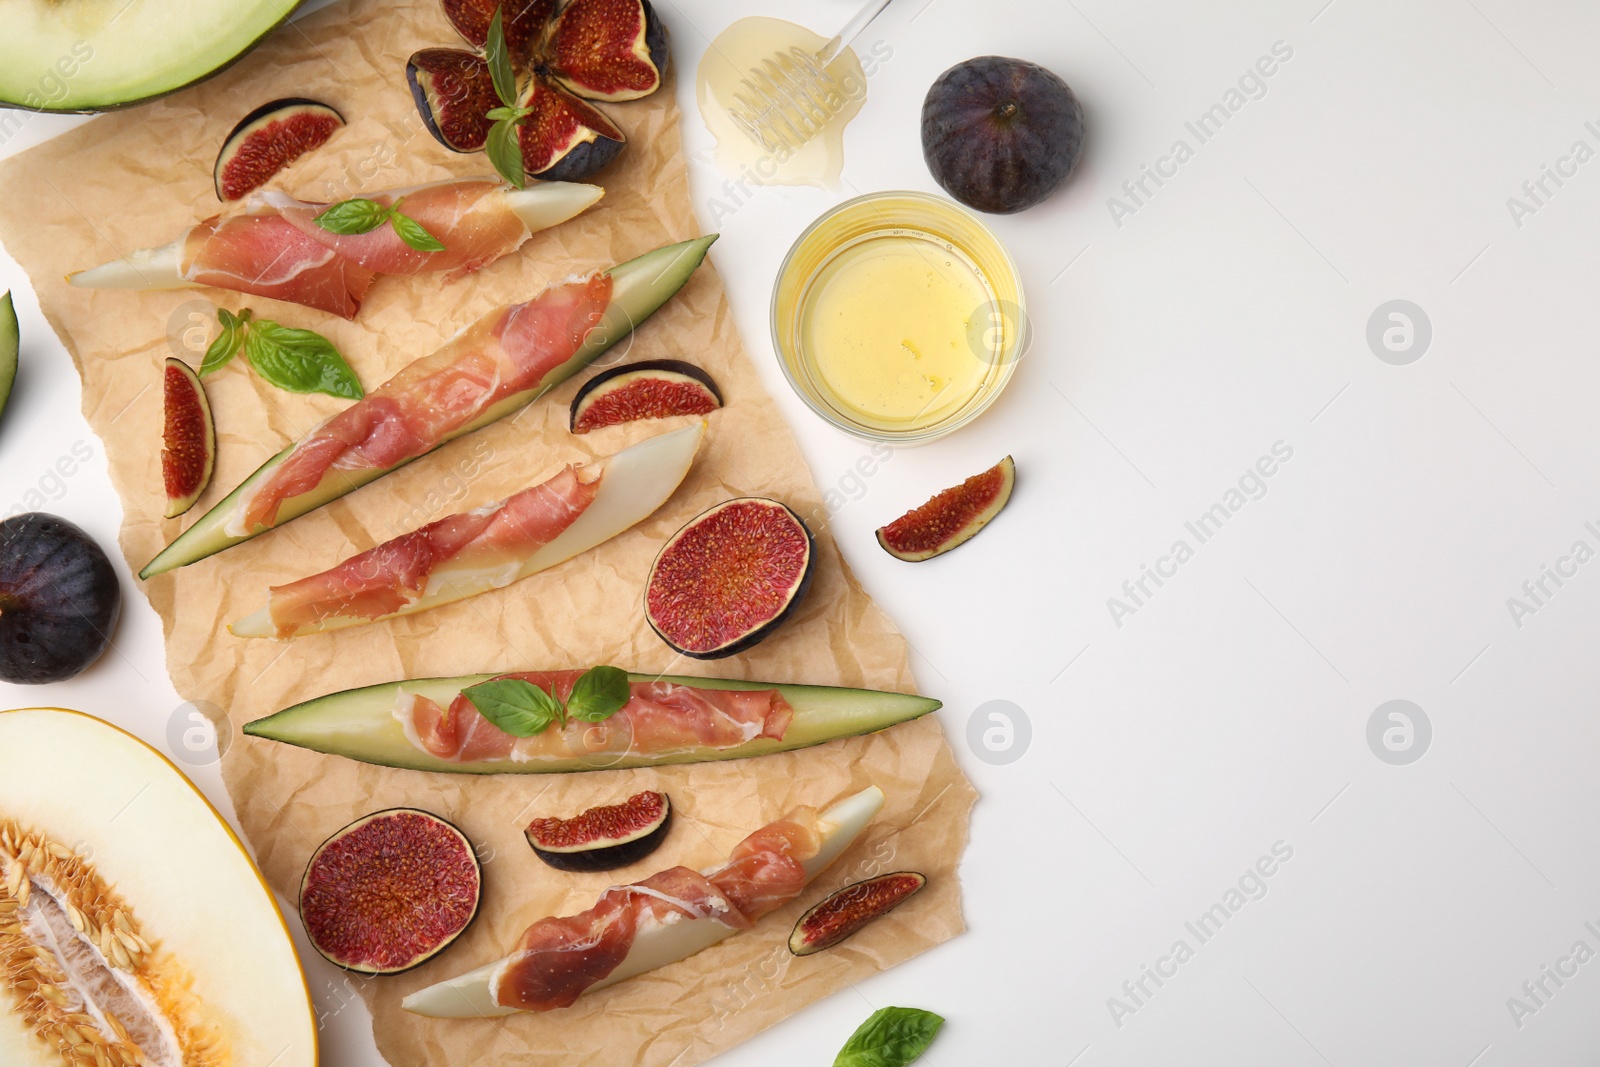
x=952 y=517
x=649 y=389
x=603 y=838
x=849 y=910
x=269 y=139
x=454 y=94
x=10 y=346
x=360 y=724
x=564 y=139
x=189 y=437
x=638 y=288
x=610 y=50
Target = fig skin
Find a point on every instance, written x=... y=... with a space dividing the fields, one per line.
x=565 y=139
x=59 y=599
x=667 y=370
x=599 y=853
x=270 y=152
x=1000 y=135
x=454 y=94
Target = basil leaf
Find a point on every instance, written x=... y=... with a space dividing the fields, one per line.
x=892 y=1037
x=352 y=216
x=505 y=152
x=599 y=693
x=300 y=361
x=508 y=114
x=412 y=233
x=519 y=708
x=501 y=72
x=227 y=343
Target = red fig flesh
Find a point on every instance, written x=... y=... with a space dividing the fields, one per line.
x=524 y=22
x=565 y=139
x=729 y=578
x=608 y=50
x=268 y=139
x=603 y=838
x=652 y=389
x=952 y=517
x=454 y=94
x=390 y=891
x=189 y=436
x=850 y=909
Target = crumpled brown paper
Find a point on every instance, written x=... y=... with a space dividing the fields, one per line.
x=136 y=179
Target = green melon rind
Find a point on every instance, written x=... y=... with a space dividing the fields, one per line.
x=10 y=344
x=640 y=287
x=358 y=724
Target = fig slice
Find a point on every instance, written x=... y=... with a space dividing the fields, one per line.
x=848 y=910
x=652 y=389
x=524 y=22
x=59 y=599
x=952 y=517
x=454 y=95
x=268 y=139
x=609 y=50
x=10 y=345
x=730 y=577
x=605 y=837
x=189 y=435
x=390 y=891
x=564 y=139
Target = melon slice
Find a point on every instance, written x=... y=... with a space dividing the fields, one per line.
x=90 y=55
x=162 y=945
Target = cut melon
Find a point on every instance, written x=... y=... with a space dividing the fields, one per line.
x=159 y=938
x=91 y=55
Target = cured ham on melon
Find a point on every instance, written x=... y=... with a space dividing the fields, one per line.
x=487 y=548
x=274 y=247
x=667 y=917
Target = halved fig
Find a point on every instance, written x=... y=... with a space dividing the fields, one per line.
x=189 y=436
x=952 y=517
x=730 y=577
x=652 y=389
x=603 y=838
x=524 y=22
x=268 y=139
x=608 y=50
x=845 y=912
x=564 y=139
x=454 y=94
x=390 y=891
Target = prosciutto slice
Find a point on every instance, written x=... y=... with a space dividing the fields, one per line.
x=385 y=579
x=508 y=351
x=558 y=958
x=659 y=717
x=263 y=254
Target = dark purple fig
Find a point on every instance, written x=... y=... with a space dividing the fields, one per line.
x=59 y=599
x=603 y=838
x=564 y=139
x=1001 y=134
x=390 y=891
x=454 y=94
x=607 y=49
x=729 y=578
x=268 y=139
x=952 y=517
x=652 y=389
x=845 y=912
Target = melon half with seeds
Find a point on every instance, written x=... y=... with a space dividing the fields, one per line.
x=134 y=929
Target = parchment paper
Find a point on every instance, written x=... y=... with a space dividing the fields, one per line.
x=136 y=179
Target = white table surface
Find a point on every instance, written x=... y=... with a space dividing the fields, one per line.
x=1227 y=714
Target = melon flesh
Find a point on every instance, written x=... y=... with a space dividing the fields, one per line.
x=221 y=984
x=88 y=55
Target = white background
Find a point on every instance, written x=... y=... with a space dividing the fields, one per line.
x=1229 y=713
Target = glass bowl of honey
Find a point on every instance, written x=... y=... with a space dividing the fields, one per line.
x=898 y=317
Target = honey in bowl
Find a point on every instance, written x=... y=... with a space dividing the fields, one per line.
x=897 y=317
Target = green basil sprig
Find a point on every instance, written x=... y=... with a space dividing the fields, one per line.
x=892 y=1037
x=523 y=709
x=357 y=216
x=299 y=361
x=504 y=148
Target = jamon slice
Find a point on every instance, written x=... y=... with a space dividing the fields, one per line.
x=486 y=548
x=273 y=248
x=506 y=360
x=665 y=918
